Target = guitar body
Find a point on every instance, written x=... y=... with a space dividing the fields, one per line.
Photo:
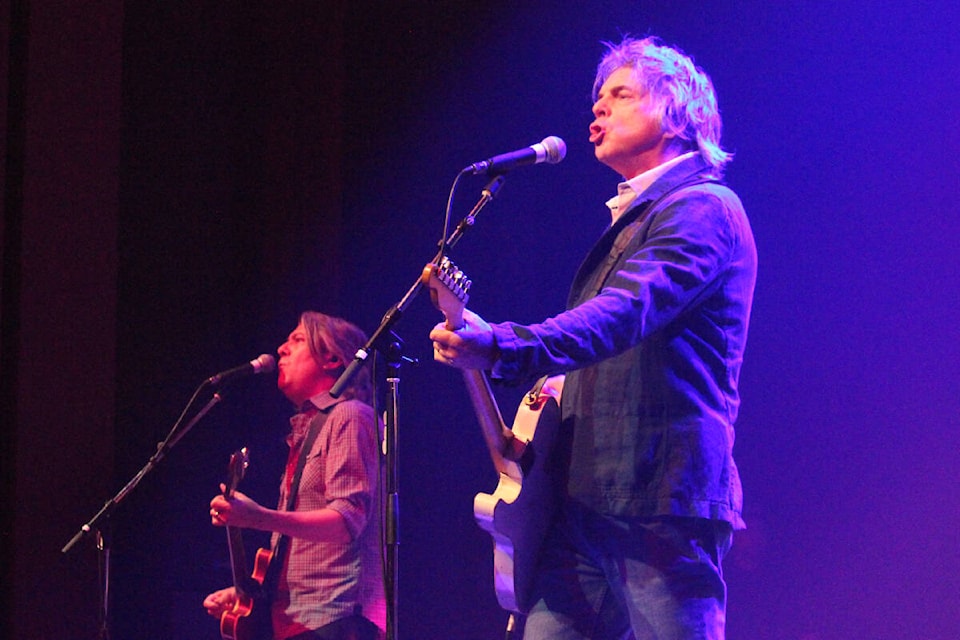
x=249 y=619
x=519 y=512
x=527 y=457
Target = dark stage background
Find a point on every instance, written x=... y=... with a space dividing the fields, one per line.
x=181 y=179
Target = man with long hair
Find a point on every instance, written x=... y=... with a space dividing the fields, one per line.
x=328 y=580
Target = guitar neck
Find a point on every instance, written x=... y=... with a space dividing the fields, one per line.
x=448 y=289
x=238 y=558
x=498 y=437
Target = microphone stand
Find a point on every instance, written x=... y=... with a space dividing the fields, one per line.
x=95 y=525
x=392 y=350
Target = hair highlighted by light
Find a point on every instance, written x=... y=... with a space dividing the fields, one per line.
x=683 y=92
x=332 y=335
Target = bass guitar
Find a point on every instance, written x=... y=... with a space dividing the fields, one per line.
x=526 y=457
x=249 y=618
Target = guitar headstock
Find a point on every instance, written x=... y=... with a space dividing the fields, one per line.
x=449 y=290
x=239 y=461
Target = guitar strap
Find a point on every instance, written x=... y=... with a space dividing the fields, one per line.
x=280 y=550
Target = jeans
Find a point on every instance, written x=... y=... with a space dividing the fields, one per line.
x=604 y=578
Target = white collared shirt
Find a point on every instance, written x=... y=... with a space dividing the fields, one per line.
x=628 y=191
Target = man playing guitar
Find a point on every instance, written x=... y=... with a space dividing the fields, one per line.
x=651 y=345
x=325 y=578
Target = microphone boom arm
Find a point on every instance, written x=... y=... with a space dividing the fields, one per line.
x=162 y=449
x=392 y=316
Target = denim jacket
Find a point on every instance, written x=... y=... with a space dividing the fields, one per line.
x=652 y=345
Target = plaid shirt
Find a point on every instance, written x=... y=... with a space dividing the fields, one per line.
x=321 y=582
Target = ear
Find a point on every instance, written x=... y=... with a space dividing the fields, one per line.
x=332 y=361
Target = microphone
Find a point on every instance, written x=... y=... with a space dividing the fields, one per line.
x=551 y=149
x=265 y=363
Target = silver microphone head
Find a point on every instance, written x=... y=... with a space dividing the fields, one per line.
x=265 y=363
x=556 y=149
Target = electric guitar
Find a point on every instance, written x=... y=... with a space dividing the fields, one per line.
x=526 y=458
x=249 y=618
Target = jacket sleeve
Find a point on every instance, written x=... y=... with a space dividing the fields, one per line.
x=679 y=258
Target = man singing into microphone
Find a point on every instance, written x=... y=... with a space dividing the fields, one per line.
x=652 y=344
x=325 y=579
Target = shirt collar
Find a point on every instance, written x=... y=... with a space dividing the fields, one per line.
x=321 y=401
x=300 y=422
x=628 y=191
